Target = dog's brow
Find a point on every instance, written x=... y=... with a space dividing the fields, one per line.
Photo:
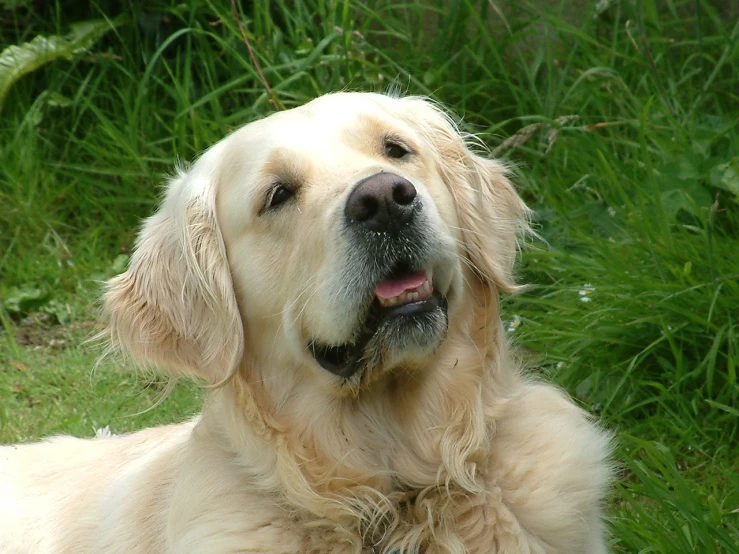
x=286 y=164
x=367 y=133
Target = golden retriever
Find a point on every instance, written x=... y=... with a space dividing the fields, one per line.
x=333 y=272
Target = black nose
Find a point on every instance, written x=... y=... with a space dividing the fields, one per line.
x=381 y=202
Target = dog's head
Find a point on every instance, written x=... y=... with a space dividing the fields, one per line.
x=335 y=242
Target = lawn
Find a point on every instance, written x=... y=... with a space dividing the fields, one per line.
x=620 y=119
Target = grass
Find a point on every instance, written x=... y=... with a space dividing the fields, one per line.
x=53 y=390
x=620 y=118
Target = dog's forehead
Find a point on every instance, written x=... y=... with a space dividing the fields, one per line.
x=332 y=118
x=325 y=133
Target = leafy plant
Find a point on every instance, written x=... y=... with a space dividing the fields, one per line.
x=19 y=60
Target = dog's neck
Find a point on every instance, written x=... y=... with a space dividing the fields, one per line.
x=407 y=433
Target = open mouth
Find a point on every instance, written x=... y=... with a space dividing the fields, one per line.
x=402 y=295
x=404 y=289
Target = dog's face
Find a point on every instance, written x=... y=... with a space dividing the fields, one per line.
x=342 y=236
x=337 y=239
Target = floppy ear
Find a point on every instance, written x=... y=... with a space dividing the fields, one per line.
x=175 y=305
x=493 y=219
x=492 y=216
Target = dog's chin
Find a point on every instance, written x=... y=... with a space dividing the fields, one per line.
x=388 y=337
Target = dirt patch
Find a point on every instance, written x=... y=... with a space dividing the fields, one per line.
x=39 y=331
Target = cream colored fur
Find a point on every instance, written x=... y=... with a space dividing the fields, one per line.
x=446 y=451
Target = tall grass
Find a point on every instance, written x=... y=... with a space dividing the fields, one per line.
x=620 y=118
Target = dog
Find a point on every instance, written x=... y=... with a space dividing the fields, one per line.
x=333 y=273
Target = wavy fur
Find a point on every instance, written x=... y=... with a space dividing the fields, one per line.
x=446 y=451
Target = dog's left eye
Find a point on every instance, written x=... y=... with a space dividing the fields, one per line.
x=395 y=150
x=278 y=195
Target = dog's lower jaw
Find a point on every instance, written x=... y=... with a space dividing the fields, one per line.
x=389 y=337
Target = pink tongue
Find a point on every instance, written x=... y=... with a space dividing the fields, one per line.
x=396 y=287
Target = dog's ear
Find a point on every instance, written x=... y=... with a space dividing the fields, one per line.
x=492 y=216
x=175 y=305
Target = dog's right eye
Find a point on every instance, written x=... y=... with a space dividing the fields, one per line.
x=395 y=150
x=278 y=195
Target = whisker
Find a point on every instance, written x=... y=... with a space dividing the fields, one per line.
x=302 y=292
x=309 y=284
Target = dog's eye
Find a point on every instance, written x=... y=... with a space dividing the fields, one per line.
x=395 y=150
x=277 y=195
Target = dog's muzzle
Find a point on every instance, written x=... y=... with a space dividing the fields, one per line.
x=390 y=264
